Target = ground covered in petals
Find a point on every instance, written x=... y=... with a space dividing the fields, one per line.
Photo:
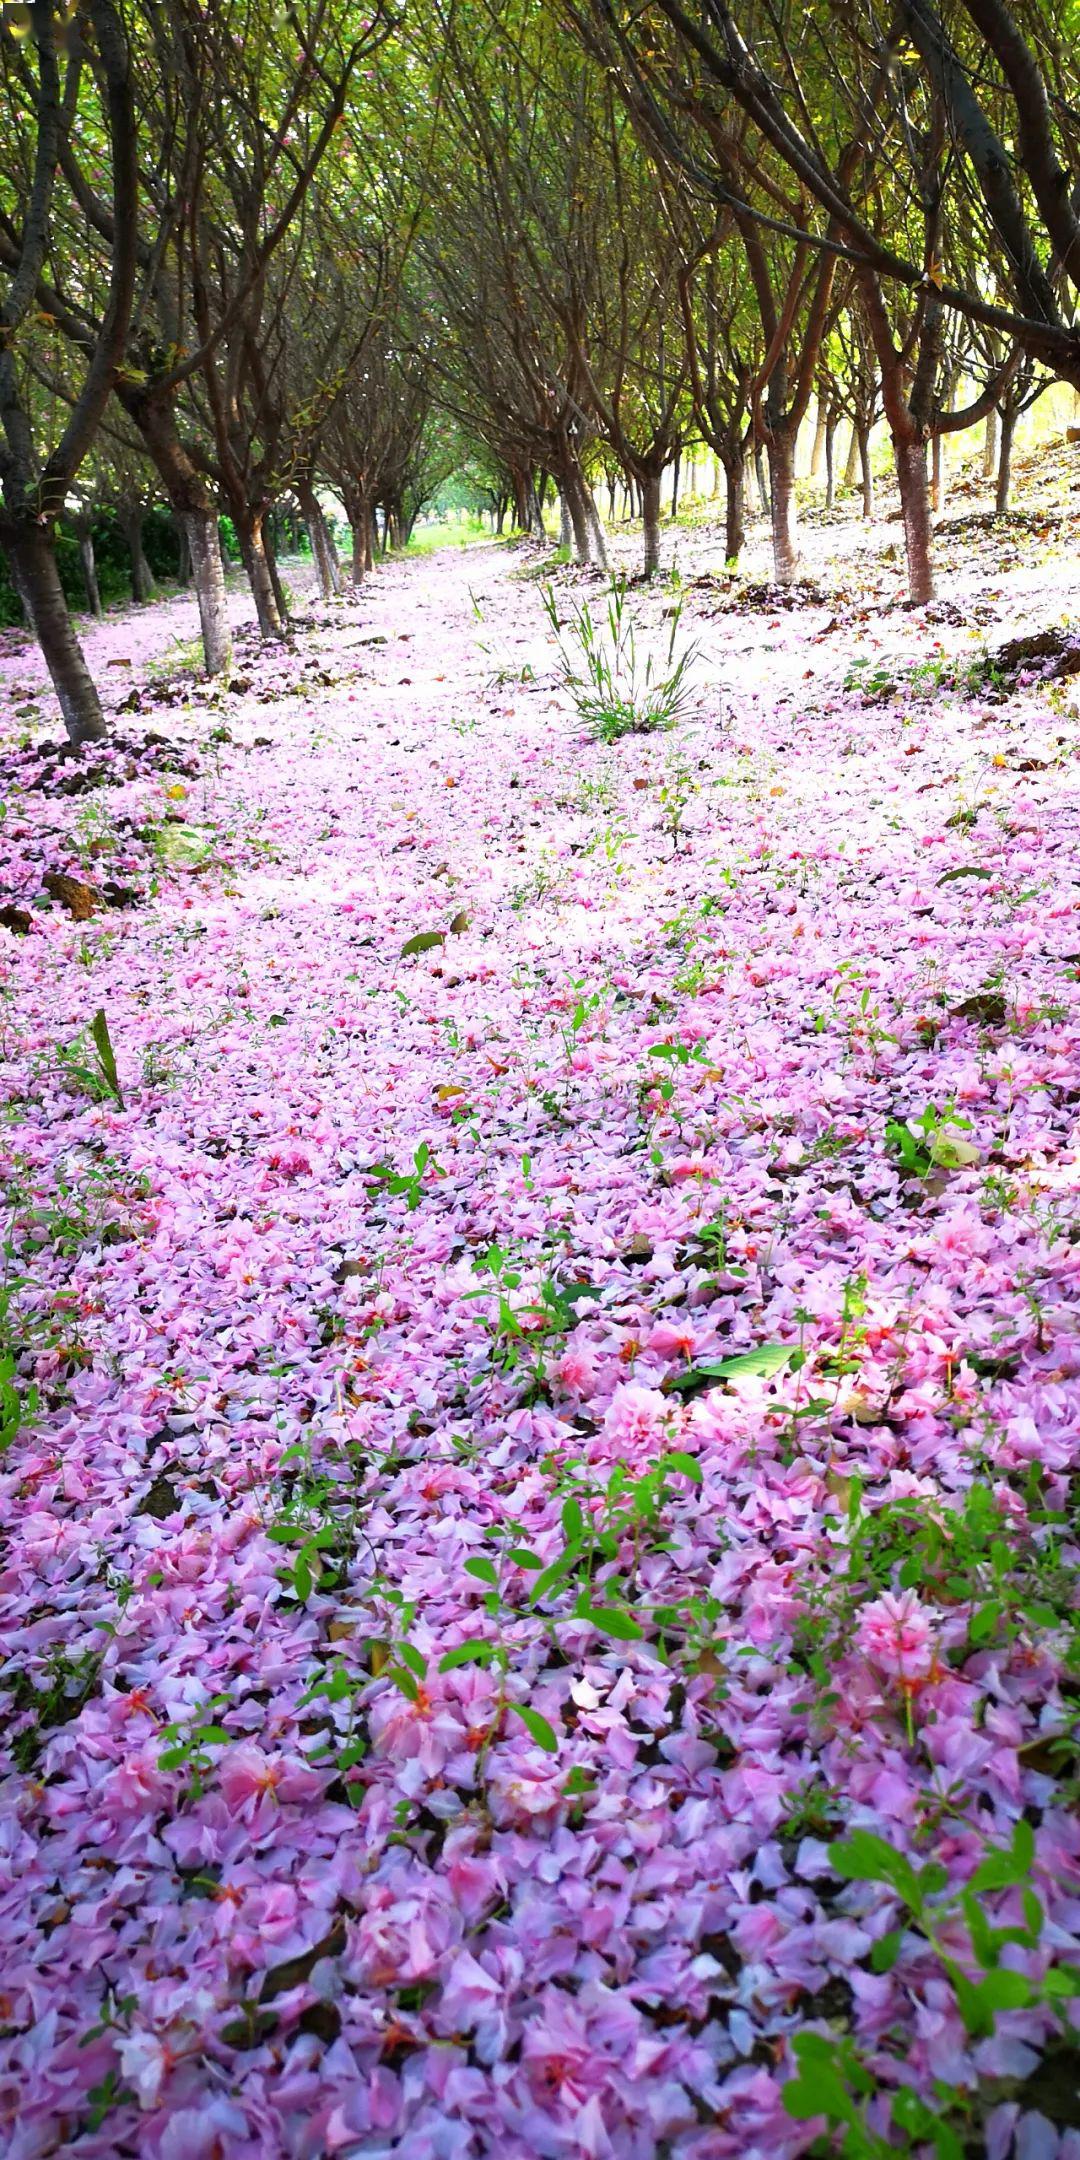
x=539 y=1494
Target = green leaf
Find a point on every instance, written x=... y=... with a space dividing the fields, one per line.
x=468 y=1653
x=884 y=1954
x=612 y=1620
x=863 y=1857
x=759 y=1364
x=184 y=847
x=978 y=870
x=413 y=1658
x=999 y=1869
x=99 y=1029
x=482 y=1569
x=983 y=1624
x=573 y=1521
x=424 y=941
x=688 y=1464
x=537 y=1727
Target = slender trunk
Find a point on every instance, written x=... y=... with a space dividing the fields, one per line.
x=270 y=547
x=88 y=565
x=597 y=543
x=32 y=562
x=566 y=528
x=183 y=567
x=249 y=528
x=358 y=512
x=1004 y=468
x=734 y=509
x=675 y=484
x=910 y=459
x=142 y=577
x=853 y=456
x=200 y=529
x=761 y=477
x=830 y=463
x=650 y=497
x=323 y=551
x=781 y=448
x=818 y=453
x=990 y=444
x=573 y=495
x=937 y=485
x=862 y=442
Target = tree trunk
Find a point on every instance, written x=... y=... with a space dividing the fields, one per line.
x=781 y=449
x=910 y=459
x=597 y=543
x=270 y=547
x=818 y=453
x=650 y=515
x=734 y=509
x=830 y=463
x=358 y=512
x=88 y=565
x=183 y=567
x=249 y=530
x=937 y=488
x=200 y=528
x=862 y=444
x=566 y=528
x=676 y=468
x=990 y=460
x=853 y=456
x=761 y=477
x=142 y=577
x=573 y=495
x=322 y=547
x=32 y=562
x=1004 y=469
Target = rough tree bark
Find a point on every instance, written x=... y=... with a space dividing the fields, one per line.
x=32 y=561
x=734 y=464
x=84 y=534
x=651 y=522
x=249 y=532
x=142 y=577
x=781 y=454
x=324 y=554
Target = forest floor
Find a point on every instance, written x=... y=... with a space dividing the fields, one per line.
x=539 y=1570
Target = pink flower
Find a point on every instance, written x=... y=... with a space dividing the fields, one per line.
x=248 y=1774
x=637 y=1423
x=896 y=1632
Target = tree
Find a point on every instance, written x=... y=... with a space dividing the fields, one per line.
x=78 y=82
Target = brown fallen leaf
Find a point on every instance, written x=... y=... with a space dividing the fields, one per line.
x=15 y=919
x=81 y=900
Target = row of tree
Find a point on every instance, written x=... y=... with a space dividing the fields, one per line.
x=256 y=249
